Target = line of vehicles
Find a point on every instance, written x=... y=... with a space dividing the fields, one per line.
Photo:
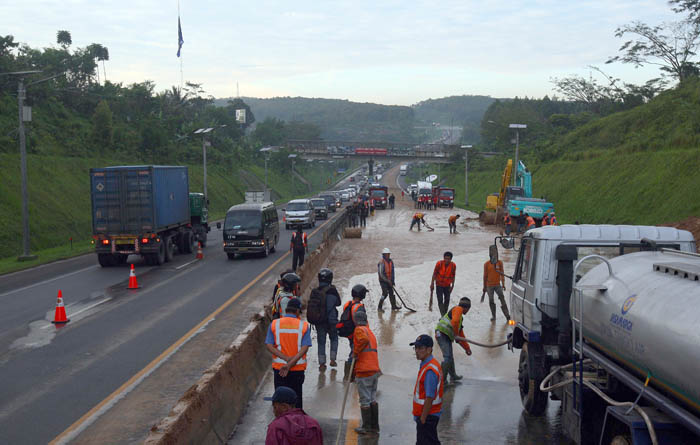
x=426 y=190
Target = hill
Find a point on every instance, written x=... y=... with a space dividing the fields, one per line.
x=464 y=111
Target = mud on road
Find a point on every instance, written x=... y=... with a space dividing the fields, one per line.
x=484 y=408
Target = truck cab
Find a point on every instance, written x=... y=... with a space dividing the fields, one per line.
x=542 y=285
x=199 y=217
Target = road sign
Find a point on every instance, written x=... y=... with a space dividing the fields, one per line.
x=431 y=178
x=240 y=116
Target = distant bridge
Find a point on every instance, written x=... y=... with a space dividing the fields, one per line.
x=393 y=151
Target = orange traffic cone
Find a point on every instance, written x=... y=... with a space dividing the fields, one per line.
x=133 y=284
x=200 y=254
x=60 y=314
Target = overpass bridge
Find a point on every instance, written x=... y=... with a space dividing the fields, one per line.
x=366 y=151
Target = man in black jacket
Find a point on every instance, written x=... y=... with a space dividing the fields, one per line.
x=325 y=278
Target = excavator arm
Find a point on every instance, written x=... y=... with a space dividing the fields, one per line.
x=505 y=181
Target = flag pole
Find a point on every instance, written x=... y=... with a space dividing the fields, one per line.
x=178 y=20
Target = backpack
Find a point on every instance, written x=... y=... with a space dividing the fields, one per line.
x=346 y=325
x=316 y=312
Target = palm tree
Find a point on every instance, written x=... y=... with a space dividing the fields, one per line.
x=102 y=55
x=64 y=39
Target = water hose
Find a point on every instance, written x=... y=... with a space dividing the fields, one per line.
x=345 y=398
x=483 y=345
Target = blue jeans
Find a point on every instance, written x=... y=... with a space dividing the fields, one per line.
x=322 y=330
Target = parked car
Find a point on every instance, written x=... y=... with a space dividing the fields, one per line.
x=251 y=228
x=320 y=208
x=299 y=212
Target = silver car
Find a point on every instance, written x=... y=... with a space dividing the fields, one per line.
x=299 y=212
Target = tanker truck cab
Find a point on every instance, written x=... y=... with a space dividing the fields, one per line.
x=543 y=286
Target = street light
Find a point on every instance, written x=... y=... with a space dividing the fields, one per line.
x=517 y=127
x=266 y=151
x=206 y=144
x=25 y=115
x=466 y=173
x=293 y=157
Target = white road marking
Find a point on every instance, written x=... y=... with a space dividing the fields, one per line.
x=186 y=264
x=72 y=315
x=48 y=281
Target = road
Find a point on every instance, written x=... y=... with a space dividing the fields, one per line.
x=484 y=408
x=126 y=356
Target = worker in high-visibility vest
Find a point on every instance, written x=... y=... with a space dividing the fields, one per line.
x=495 y=281
x=427 y=393
x=507 y=223
x=450 y=326
x=418 y=218
x=367 y=373
x=452 y=222
x=545 y=220
x=552 y=220
x=444 y=277
x=288 y=339
x=530 y=221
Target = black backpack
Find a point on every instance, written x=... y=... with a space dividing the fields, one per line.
x=316 y=312
x=346 y=325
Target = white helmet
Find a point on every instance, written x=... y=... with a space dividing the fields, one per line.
x=386 y=250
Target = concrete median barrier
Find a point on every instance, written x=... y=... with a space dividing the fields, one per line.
x=210 y=409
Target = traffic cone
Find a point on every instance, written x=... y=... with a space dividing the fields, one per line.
x=60 y=314
x=133 y=284
x=200 y=254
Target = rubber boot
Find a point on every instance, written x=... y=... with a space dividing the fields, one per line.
x=366 y=427
x=453 y=372
x=493 y=311
x=381 y=302
x=375 y=416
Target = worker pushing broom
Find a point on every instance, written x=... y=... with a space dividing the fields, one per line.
x=418 y=218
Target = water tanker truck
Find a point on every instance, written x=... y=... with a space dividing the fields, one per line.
x=607 y=321
x=144 y=210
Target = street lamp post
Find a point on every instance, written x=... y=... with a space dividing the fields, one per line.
x=466 y=174
x=517 y=145
x=204 y=131
x=293 y=158
x=266 y=153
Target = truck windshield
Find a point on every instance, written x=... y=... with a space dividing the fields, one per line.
x=448 y=193
x=243 y=220
x=425 y=192
x=378 y=193
x=297 y=207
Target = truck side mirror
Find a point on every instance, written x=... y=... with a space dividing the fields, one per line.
x=218 y=225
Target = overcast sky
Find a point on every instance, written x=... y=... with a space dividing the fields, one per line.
x=391 y=52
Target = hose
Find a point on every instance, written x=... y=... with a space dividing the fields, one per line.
x=345 y=399
x=483 y=345
x=602 y=395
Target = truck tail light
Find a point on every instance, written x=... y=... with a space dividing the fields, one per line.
x=144 y=240
x=105 y=242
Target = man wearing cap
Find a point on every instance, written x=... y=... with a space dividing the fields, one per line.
x=444 y=277
x=366 y=373
x=291 y=424
x=385 y=269
x=427 y=393
x=288 y=340
x=449 y=326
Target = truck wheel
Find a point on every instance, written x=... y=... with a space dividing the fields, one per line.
x=203 y=239
x=169 y=248
x=159 y=258
x=534 y=400
x=105 y=259
x=188 y=242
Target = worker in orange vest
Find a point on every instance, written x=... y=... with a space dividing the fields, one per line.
x=449 y=327
x=288 y=340
x=495 y=281
x=367 y=374
x=435 y=202
x=545 y=220
x=444 y=277
x=507 y=223
x=387 y=279
x=427 y=393
x=417 y=219
x=347 y=318
x=530 y=222
x=552 y=220
x=299 y=247
x=452 y=222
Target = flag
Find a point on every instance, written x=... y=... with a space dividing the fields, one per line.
x=179 y=37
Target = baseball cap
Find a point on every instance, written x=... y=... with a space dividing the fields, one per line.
x=423 y=340
x=283 y=394
x=294 y=303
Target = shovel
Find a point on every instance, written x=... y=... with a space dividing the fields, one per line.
x=345 y=399
x=483 y=294
x=430 y=305
x=402 y=302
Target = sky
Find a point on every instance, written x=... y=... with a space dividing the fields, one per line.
x=389 y=52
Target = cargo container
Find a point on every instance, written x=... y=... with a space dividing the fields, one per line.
x=141 y=210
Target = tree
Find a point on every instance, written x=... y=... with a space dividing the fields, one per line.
x=692 y=7
x=64 y=39
x=102 y=129
x=670 y=46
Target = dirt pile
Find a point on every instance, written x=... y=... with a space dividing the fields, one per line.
x=691 y=224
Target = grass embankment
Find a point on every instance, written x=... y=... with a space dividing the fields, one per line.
x=59 y=201
x=612 y=188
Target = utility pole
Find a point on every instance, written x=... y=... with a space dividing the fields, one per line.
x=517 y=147
x=204 y=131
x=26 y=255
x=466 y=174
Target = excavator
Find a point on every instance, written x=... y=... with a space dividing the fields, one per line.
x=514 y=199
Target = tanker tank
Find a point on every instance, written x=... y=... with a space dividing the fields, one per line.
x=646 y=316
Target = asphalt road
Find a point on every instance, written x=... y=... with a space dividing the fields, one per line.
x=52 y=376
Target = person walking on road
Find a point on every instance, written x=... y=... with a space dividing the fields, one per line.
x=299 y=247
x=288 y=291
x=449 y=326
x=364 y=211
x=452 y=222
x=392 y=199
x=427 y=392
x=415 y=200
x=530 y=221
x=507 y=223
x=367 y=374
x=387 y=279
x=288 y=340
x=322 y=313
x=444 y=277
x=495 y=281
x=346 y=325
x=418 y=218
x=521 y=222
x=402 y=193
x=371 y=206
x=291 y=425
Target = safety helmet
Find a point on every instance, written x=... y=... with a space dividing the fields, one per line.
x=325 y=275
x=290 y=280
x=359 y=291
x=386 y=250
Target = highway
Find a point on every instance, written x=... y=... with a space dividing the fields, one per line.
x=71 y=381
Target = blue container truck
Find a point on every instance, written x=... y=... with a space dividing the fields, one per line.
x=140 y=210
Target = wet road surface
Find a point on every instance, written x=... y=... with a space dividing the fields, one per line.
x=484 y=408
